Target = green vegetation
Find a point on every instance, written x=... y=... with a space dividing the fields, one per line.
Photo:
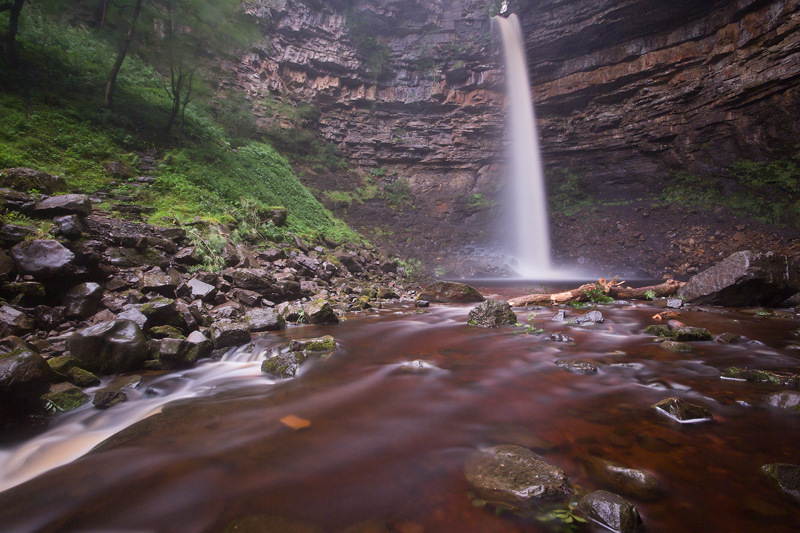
x=567 y=192
x=479 y=201
x=214 y=165
x=397 y=193
x=363 y=32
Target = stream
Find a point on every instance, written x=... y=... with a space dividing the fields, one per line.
x=192 y=450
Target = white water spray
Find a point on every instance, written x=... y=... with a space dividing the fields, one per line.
x=527 y=178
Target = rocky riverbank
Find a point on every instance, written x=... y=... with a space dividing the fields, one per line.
x=98 y=295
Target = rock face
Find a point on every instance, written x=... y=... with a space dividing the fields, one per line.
x=492 y=314
x=514 y=476
x=745 y=279
x=627 y=93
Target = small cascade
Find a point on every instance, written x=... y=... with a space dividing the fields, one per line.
x=532 y=248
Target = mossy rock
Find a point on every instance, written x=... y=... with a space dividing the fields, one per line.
x=369 y=293
x=675 y=346
x=776 y=377
x=680 y=334
x=27 y=179
x=82 y=378
x=320 y=312
x=283 y=365
x=450 y=292
x=787 y=476
x=64 y=397
x=683 y=411
x=492 y=314
x=580 y=367
x=610 y=511
x=320 y=344
x=166 y=332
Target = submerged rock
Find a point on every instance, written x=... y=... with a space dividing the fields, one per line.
x=492 y=314
x=789 y=400
x=450 y=292
x=581 y=367
x=611 y=511
x=679 y=333
x=787 y=476
x=683 y=411
x=417 y=366
x=629 y=481
x=745 y=279
x=675 y=346
x=514 y=477
x=592 y=317
x=269 y=524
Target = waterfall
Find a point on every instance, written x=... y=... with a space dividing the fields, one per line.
x=532 y=247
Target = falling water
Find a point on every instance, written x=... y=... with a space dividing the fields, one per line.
x=530 y=210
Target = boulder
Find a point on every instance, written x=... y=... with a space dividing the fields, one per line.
x=227 y=333
x=276 y=215
x=106 y=398
x=44 y=259
x=26 y=179
x=199 y=290
x=64 y=397
x=450 y=292
x=24 y=376
x=110 y=347
x=70 y=226
x=610 y=511
x=252 y=280
x=745 y=279
x=189 y=256
x=199 y=348
x=11 y=234
x=265 y=320
x=65 y=204
x=82 y=300
x=283 y=365
x=683 y=411
x=592 y=317
x=133 y=312
x=320 y=344
x=320 y=312
x=14 y=322
x=492 y=314
x=272 y=254
x=24 y=293
x=789 y=400
x=787 y=477
x=156 y=280
x=162 y=312
x=776 y=377
x=514 y=477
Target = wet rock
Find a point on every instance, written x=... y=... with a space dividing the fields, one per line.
x=189 y=256
x=61 y=365
x=26 y=179
x=120 y=169
x=198 y=290
x=417 y=366
x=65 y=204
x=133 y=312
x=450 y=292
x=514 y=477
x=320 y=312
x=320 y=344
x=110 y=347
x=269 y=524
x=675 y=346
x=283 y=365
x=787 y=476
x=492 y=314
x=162 y=312
x=7 y=266
x=226 y=333
x=369 y=293
x=680 y=333
x=248 y=298
x=43 y=259
x=728 y=338
x=64 y=397
x=674 y=303
x=272 y=254
x=785 y=400
x=628 y=481
x=252 y=280
x=422 y=303
x=777 y=377
x=14 y=322
x=610 y=511
x=199 y=347
x=156 y=280
x=82 y=378
x=24 y=376
x=745 y=279
x=82 y=300
x=580 y=367
x=557 y=337
x=48 y=318
x=165 y=332
x=11 y=234
x=178 y=351
x=683 y=411
x=70 y=226
x=265 y=320
x=289 y=311
x=592 y=317
x=560 y=316
x=106 y=398
x=350 y=262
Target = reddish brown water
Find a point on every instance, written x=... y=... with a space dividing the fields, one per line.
x=389 y=446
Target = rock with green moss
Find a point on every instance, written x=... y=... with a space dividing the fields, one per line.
x=320 y=344
x=82 y=378
x=387 y=294
x=513 y=477
x=64 y=397
x=162 y=312
x=610 y=511
x=680 y=334
x=492 y=314
x=776 y=377
x=226 y=333
x=789 y=400
x=110 y=347
x=166 y=332
x=283 y=365
x=683 y=411
x=61 y=366
x=369 y=293
x=26 y=179
x=450 y=292
x=320 y=312
x=675 y=346
x=25 y=293
x=106 y=398
x=786 y=476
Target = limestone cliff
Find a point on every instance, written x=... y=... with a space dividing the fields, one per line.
x=627 y=92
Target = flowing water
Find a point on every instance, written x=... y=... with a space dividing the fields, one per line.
x=389 y=446
x=528 y=200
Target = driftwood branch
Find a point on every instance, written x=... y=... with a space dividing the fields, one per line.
x=611 y=288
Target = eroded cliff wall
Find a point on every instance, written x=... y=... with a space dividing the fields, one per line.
x=627 y=93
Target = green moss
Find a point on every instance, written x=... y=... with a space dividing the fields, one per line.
x=64 y=397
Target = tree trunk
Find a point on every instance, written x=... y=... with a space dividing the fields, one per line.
x=123 y=51
x=581 y=294
x=15 y=8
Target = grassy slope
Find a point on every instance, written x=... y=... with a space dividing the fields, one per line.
x=51 y=119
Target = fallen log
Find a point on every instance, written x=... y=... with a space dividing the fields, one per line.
x=611 y=288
